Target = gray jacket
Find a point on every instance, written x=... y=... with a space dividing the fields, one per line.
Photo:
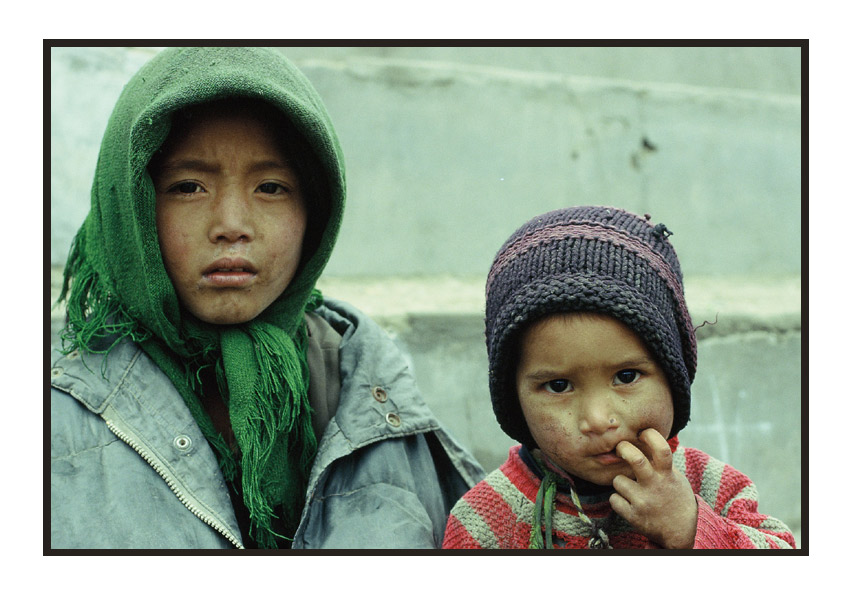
x=131 y=469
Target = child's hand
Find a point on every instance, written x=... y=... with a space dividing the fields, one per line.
x=659 y=501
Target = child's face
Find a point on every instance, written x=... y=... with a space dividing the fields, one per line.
x=230 y=217
x=585 y=383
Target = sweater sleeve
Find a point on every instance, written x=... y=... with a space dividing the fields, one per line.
x=487 y=515
x=480 y=519
x=728 y=515
x=457 y=537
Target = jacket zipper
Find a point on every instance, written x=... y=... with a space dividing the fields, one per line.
x=173 y=486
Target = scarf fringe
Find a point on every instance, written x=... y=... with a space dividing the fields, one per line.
x=96 y=322
x=272 y=423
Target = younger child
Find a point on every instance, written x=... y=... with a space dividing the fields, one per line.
x=592 y=354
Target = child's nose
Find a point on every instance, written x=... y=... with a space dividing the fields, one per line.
x=231 y=217
x=598 y=414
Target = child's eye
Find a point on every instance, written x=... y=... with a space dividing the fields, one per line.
x=271 y=188
x=626 y=376
x=557 y=386
x=186 y=187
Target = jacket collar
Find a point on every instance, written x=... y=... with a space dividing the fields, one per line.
x=379 y=398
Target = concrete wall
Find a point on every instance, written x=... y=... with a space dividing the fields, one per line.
x=448 y=150
x=464 y=136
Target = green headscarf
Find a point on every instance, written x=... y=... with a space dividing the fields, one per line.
x=116 y=286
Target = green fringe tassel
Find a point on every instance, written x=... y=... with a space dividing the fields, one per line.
x=544 y=507
x=268 y=379
x=96 y=321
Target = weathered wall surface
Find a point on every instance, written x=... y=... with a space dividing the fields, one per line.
x=448 y=150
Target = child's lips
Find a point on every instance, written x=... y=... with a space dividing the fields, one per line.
x=607 y=458
x=230 y=272
x=229 y=278
x=610 y=456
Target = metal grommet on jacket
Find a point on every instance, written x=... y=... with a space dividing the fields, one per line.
x=182 y=442
x=379 y=394
x=393 y=419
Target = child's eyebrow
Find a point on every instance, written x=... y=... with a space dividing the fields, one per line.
x=544 y=375
x=270 y=164
x=638 y=361
x=189 y=164
x=196 y=164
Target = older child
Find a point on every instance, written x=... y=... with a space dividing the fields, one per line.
x=592 y=354
x=208 y=396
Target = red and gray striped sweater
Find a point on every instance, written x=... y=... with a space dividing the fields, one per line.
x=497 y=513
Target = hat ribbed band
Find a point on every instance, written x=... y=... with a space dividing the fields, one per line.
x=599 y=232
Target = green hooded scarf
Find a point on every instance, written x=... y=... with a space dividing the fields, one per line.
x=116 y=286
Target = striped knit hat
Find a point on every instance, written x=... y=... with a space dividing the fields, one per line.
x=588 y=259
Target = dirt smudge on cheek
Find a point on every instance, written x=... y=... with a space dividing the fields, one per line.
x=656 y=416
x=555 y=435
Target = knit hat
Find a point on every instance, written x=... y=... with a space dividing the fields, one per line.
x=588 y=259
